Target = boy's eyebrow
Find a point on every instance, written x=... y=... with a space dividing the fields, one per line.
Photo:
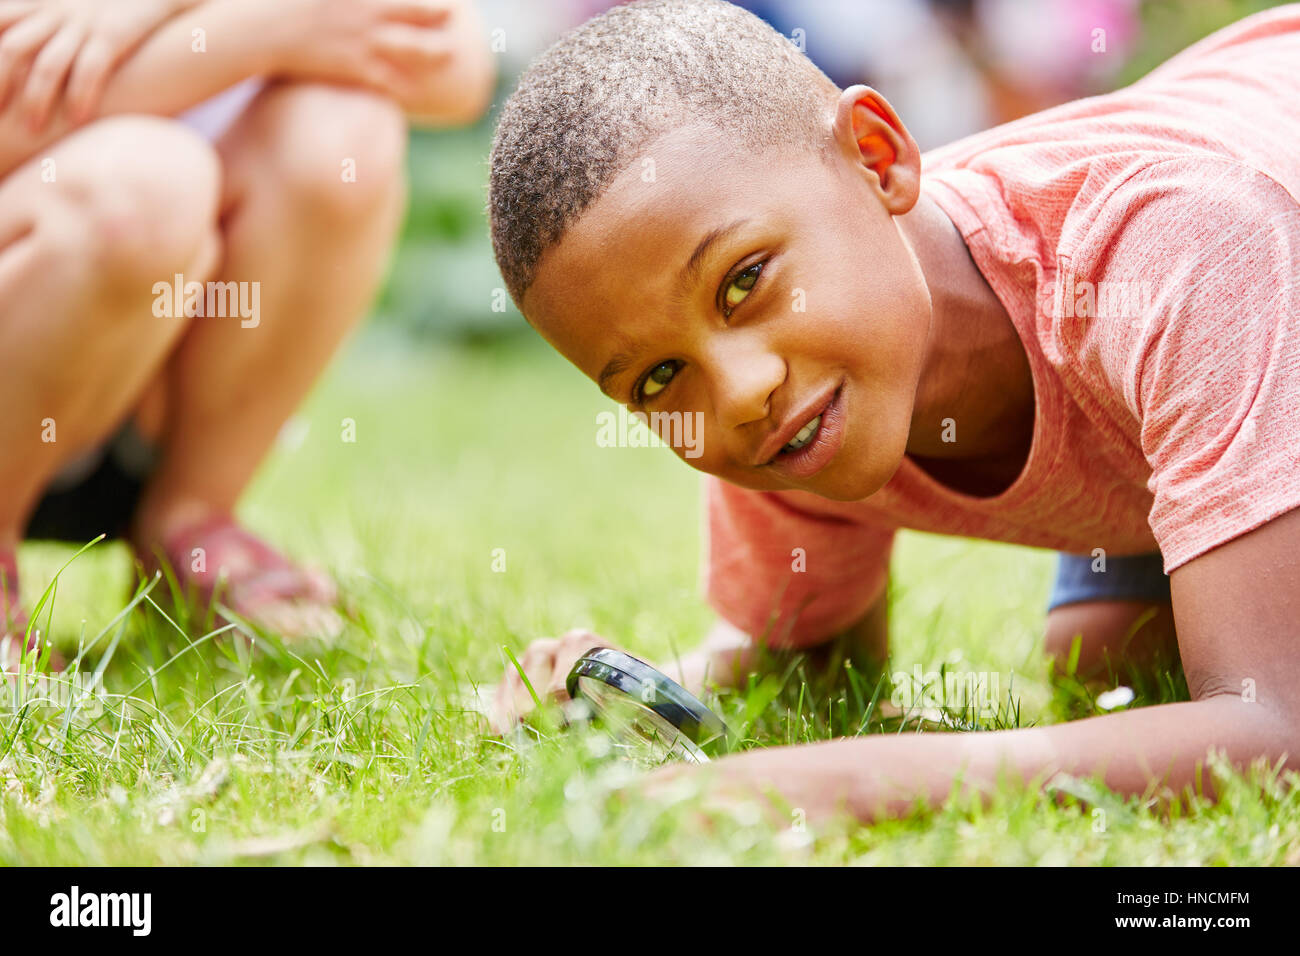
x=619 y=363
x=615 y=365
x=690 y=273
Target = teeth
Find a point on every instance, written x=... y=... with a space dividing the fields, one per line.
x=804 y=436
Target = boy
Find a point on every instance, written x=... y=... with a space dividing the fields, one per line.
x=121 y=411
x=1080 y=331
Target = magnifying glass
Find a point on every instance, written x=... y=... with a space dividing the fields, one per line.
x=654 y=718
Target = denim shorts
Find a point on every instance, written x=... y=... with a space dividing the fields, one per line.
x=1136 y=577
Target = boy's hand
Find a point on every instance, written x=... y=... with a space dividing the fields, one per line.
x=376 y=43
x=547 y=663
x=74 y=42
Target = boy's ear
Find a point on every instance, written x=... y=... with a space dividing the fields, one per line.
x=871 y=136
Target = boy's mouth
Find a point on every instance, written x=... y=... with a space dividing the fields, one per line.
x=813 y=443
x=804 y=436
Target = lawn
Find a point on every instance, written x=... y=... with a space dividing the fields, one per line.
x=208 y=751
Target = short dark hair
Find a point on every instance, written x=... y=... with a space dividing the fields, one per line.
x=585 y=107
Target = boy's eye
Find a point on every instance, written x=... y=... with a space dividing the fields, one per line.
x=659 y=377
x=740 y=286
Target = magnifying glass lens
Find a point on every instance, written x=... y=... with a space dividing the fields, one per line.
x=644 y=736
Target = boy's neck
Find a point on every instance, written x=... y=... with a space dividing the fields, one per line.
x=975 y=371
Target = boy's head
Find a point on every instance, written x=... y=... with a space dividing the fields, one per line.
x=697 y=218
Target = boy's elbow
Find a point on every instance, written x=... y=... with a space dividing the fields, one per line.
x=1265 y=725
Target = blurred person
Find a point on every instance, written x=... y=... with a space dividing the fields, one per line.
x=898 y=46
x=1030 y=55
x=128 y=405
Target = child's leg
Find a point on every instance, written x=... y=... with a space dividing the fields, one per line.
x=316 y=238
x=85 y=232
x=1122 y=615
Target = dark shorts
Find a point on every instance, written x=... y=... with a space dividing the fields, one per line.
x=97 y=494
x=1138 y=577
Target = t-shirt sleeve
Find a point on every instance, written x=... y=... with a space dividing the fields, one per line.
x=787 y=571
x=1210 y=363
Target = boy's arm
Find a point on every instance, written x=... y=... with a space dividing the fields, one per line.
x=1238 y=617
x=724 y=659
x=728 y=655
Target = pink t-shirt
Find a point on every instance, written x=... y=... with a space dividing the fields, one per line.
x=1146 y=244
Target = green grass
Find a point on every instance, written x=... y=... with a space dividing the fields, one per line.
x=209 y=752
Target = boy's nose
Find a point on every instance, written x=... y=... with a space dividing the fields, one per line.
x=744 y=377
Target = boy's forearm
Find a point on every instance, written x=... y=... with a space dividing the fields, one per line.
x=1135 y=752
x=723 y=659
x=728 y=655
x=166 y=74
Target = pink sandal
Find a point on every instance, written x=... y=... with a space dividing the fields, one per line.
x=216 y=560
x=14 y=622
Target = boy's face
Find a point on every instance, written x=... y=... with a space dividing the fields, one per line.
x=757 y=292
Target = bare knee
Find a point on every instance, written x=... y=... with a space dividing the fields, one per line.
x=337 y=154
x=135 y=202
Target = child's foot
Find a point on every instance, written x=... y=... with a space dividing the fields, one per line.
x=13 y=621
x=214 y=558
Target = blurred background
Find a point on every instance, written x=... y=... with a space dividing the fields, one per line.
x=950 y=67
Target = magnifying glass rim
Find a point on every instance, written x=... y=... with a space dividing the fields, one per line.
x=672 y=702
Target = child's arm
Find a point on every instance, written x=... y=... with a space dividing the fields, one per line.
x=725 y=658
x=166 y=74
x=68 y=48
x=218 y=43
x=728 y=655
x=430 y=56
x=458 y=88
x=1238 y=616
